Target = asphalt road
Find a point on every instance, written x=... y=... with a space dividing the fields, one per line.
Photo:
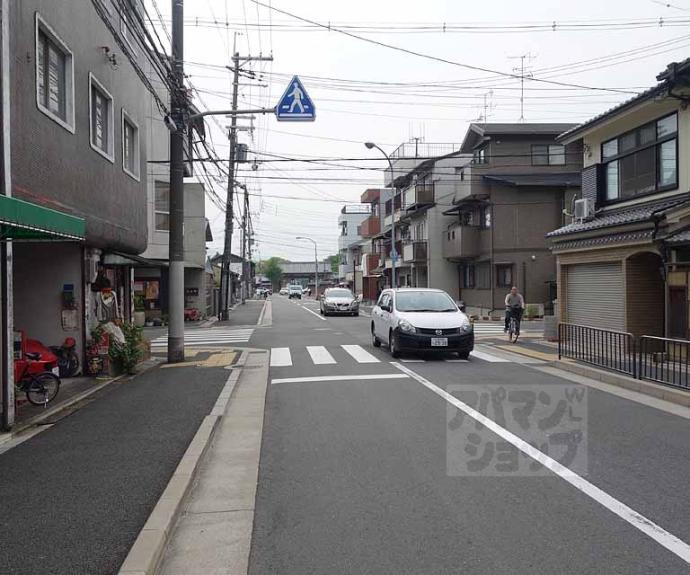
x=74 y=497
x=368 y=467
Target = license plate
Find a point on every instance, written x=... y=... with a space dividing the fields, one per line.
x=56 y=371
x=439 y=342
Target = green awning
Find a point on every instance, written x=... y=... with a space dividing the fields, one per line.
x=20 y=220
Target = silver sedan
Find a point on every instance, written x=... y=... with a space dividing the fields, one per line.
x=339 y=301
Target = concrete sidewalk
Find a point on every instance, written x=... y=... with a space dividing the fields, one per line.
x=88 y=481
x=213 y=535
x=243 y=315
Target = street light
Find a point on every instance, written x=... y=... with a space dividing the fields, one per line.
x=316 y=264
x=394 y=254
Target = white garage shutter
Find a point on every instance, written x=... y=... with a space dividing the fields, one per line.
x=595 y=295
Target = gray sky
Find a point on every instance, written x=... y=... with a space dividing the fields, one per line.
x=366 y=92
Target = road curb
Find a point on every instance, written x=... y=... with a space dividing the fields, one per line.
x=145 y=555
x=209 y=322
x=659 y=391
x=21 y=427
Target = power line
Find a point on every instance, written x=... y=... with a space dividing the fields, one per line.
x=434 y=58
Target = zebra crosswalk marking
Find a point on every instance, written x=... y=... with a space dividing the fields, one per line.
x=319 y=355
x=207 y=337
x=359 y=354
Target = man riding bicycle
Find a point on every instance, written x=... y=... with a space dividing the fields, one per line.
x=515 y=305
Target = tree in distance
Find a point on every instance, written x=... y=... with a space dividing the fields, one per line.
x=272 y=270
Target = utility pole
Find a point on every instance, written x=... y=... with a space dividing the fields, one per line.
x=245 y=274
x=229 y=208
x=6 y=311
x=225 y=289
x=178 y=103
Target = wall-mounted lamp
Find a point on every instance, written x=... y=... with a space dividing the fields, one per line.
x=110 y=56
x=587 y=150
x=533 y=258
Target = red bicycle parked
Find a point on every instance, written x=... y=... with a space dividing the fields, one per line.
x=35 y=370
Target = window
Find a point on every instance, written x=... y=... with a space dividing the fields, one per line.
x=642 y=161
x=125 y=29
x=101 y=122
x=162 y=206
x=468 y=276
x=479 y=156
x=486 y=220
x=468 y=218
x=54 y=76
x=548 y=155
x=504 y=275
x=130 y=146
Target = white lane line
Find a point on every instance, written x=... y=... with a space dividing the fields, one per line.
x=412 y=360
x=661 y=536
x=319 y=355
x=280 y=357
x=488 y=357
x=313 y=313
x=360 y=354
x=263 y=311
x=456 y=360
x=339 y=378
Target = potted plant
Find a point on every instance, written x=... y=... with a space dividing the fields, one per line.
x=127 y=355
x=139 y=311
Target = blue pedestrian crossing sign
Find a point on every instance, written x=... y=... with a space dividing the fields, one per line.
x=295 y=104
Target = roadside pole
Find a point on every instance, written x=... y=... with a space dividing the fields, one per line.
x=176 y=245
x=226 y=290
x=229 y=206
x=245 y=275
x=6 y=334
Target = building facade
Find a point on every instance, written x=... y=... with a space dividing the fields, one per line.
x=507 y=198
x=624 y=258
x=349 y=223
x=78 y=147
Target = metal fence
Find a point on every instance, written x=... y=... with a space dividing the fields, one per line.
x=614 y=350
x=665 y=361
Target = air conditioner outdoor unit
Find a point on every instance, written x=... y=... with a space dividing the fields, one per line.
x=584 y=209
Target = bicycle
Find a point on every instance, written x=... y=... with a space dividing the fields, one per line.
x=40 y=388
x=514 y=325
x=68 y=360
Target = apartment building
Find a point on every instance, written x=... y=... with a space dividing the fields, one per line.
x=507 y=198
x=349 y=250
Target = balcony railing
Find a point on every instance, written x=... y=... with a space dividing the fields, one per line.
x=371 y=226
x=461 y=242
x=415 y=251
x=419 y=195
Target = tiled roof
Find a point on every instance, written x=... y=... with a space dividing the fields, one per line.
x=567 y=179
x=523 y=128
x=679 y=238
x=627 y=215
